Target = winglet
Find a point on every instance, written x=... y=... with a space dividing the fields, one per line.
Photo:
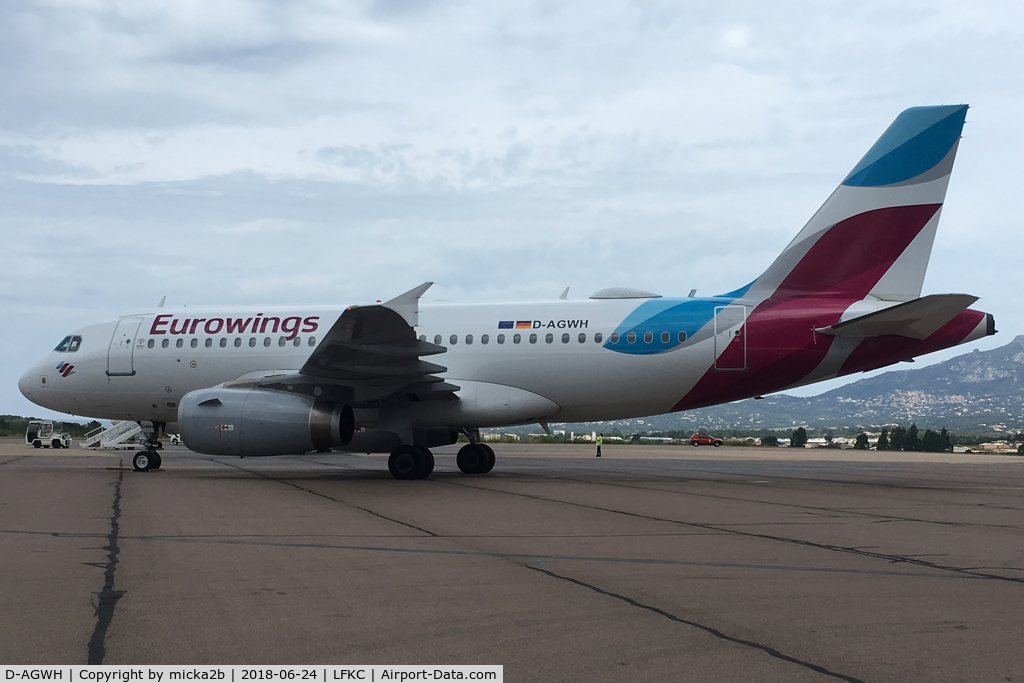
x=408 y=305
x=564 y=295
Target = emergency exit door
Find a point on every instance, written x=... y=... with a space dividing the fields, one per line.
x=122 y=347
x=730 y=337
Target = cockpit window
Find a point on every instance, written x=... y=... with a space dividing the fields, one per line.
x=69 y=344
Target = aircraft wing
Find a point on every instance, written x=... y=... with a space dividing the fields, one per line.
x=917 y=319
x=370 y=353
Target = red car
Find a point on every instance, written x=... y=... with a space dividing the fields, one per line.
x=704 y=439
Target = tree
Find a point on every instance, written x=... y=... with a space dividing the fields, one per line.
x=913 y=441
x=883 y=440
x=897 y=437
x=770 y=441
x=861 y=444
x=799 y=438
x=932 y=442
x=829 y=435
x=947 y=443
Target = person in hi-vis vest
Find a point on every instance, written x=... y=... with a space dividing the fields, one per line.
x=600 y=440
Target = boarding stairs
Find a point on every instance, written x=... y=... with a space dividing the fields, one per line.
x=120 y=435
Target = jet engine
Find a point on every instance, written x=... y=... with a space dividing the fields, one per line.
x=222 y=421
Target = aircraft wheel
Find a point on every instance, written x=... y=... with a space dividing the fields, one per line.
x=407 y=462
x=143 y=461
x=489 y=464
x=157 y=461
x=473 y=459
x=37 y=444
x=428 y=458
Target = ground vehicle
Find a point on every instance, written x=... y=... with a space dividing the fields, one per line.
x=175 y=439
x=44 y=434
x=704 y=439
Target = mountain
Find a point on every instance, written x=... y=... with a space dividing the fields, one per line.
x=979 y=391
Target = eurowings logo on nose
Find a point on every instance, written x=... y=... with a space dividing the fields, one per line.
x=65 y=369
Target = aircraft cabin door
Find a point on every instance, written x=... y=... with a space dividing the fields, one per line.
x=730 y=337
x=122 y=346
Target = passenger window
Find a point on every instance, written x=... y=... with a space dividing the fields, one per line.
x=165 y=343
x=598 y=337
x=238 y=342
x=151 y=343
x=423 y=337
x=501 y=339
x=664 y=337
x=281 y=341
x=209 y=342
x=516 y=338
x=223 y=342
x=484 y=339
x=453 y=340
x=631 y=337
x=252 y=342
x=549 y=338
x=297 y=341
x=75 y=343
x=63 y=346
x=195 y=343
x=648 y=337
x=437 y=339
x=179 y=343
x=266 y=342
x=565 y=338
x=533 y=339
x=583 y=337
x=312 y=341
x=681 y=337
x=615 y=338
x=469 y=339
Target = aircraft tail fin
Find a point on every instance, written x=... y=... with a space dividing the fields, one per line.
x=873 y=236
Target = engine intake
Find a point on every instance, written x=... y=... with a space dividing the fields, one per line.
x=258 y=422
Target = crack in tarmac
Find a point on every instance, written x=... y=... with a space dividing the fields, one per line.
x=767 y=649
x=108 y=597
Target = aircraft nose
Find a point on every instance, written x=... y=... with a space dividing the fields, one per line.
x=25 y=384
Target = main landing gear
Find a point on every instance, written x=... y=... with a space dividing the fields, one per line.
x=475 y=458
x=416 y=462
x=145 y=461
x=411 y=462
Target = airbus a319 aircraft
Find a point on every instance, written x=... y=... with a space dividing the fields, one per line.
x=403 y=377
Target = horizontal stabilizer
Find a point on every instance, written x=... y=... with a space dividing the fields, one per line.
x=917 y=319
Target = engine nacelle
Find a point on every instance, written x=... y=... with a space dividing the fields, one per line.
x=253 y=422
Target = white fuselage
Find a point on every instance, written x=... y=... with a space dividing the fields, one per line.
x=563 y=362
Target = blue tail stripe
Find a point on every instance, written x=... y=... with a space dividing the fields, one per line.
x=916 y=141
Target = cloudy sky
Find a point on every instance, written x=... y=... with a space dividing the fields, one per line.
x=321 y=152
